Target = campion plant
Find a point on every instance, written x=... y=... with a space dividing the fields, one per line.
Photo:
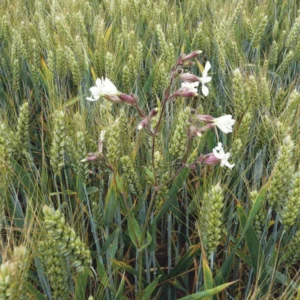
x=190 y=126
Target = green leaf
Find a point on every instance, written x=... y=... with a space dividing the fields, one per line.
x=208 y=278
x=108 y=33
x=184 y=263
x=120 y=183
x=125 y=266
x=149 y=81
x=172 y=194
x=150 y=288
x=120 y=289
x=281 y=278
x=91 y=190
x=148 y=241
x=150 y=174
x=113 y=247
x=134 y=230
x=111 y=202
x=81 y=282
x=208 y=293
x=109 y=241
x=226 y=266
x=72 y=101
x=298 y=294
x=102 y=274
x=252 y=242
x=34 y=292
x=23 y=177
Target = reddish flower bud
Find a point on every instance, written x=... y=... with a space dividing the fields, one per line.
x=112 y=98
x=209 y=159
x=194 y=132
x=130 y=99
x=143 y=123
x=205 y=118
x=186 y=94
x=153 y=112
x=189 y=77
x=191 y=55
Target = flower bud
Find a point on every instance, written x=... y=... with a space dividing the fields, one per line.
x=189 y=77
x=194 y=132
x=130 y=99
x=143 y=123
x=111 y=98
x=188 y=64
x=205 y=118
x=191 y=55
x=209 y=159
x=186 y=94
x=153 y=112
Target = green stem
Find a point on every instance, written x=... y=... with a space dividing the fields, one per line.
x=140 y=258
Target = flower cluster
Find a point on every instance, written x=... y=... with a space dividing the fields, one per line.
x=192 y=128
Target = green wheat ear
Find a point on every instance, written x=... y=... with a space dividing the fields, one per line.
x=13 y=275
x=131 y=176
x=294 y=33
x=260 y=218
x=210 y=218
x=57 y=150
x=292 y=253
x=238 y=93
x=282 y=175
x=285 y=63
x=179 y=140
x=65 y=238
x=113 y=142
x=273 y=56
x=22 y=135
x=55 y=266
x=291 y=209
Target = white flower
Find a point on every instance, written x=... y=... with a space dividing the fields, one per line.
x=222 y=156
x=205 y=79
x=103 y=87
x=224 y=123
x=190 y=86
x=188 y=89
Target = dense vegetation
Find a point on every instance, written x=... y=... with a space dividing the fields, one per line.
x=132 y=196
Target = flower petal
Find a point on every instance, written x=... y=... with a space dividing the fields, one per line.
x=206 y=79
x=229 y=165
x=206 y=69
x=96 y=92
x=98 y=82
x=91 y=99
x=205 y=90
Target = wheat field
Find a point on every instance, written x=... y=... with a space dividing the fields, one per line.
x=149 y=149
